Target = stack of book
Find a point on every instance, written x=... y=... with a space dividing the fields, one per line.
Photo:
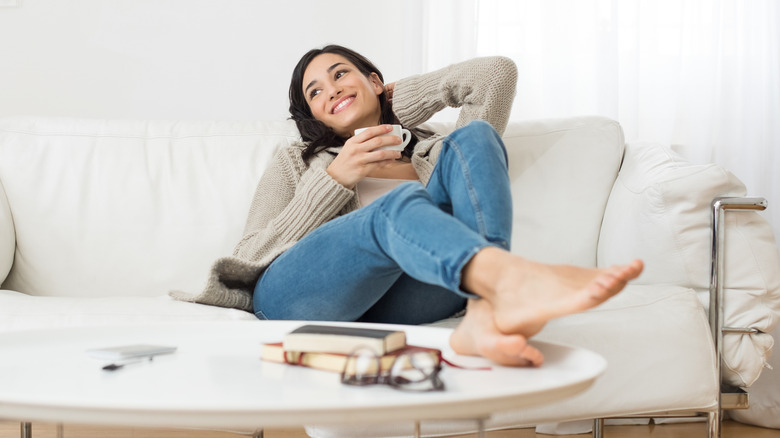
x=327 y=347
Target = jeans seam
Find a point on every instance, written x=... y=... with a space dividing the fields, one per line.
x=455 y=146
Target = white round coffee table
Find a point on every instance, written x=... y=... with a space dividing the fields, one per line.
x=217 y=380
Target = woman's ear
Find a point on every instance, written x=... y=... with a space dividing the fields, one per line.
x=379 y=87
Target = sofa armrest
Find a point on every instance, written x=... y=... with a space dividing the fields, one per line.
x=660 y=210
x=719 y=207
x=7 y=236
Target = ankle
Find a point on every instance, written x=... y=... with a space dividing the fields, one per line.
x=480 y=273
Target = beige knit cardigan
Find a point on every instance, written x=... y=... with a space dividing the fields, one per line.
x=293 y=198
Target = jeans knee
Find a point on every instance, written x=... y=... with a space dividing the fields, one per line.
x=481 y=127
x=483 y=134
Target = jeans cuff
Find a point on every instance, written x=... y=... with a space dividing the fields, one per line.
x=500 y=244
x=458 y=289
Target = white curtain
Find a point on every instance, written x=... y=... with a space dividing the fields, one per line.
x=700 y=75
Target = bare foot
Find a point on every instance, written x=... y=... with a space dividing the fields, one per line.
x=525 y=295
x=477 y=335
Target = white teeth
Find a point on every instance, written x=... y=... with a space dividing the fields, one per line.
x=342 y=105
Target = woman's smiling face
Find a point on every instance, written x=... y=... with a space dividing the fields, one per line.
x=340 y=95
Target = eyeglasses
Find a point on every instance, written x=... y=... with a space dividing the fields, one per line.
x=412 y=370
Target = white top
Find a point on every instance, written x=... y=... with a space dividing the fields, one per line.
x=216 y=380
x=369 y=189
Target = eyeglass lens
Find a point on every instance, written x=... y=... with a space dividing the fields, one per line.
x=412 y=371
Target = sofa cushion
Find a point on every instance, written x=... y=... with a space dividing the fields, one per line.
x=659 y=210
x=128 y=208
x=25 y=312
x=7 y=236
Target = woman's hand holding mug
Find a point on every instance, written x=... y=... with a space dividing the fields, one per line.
x=366 y=151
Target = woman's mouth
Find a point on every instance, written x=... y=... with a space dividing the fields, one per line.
x=342 y=104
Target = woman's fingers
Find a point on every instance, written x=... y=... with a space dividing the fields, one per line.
x=389 y=88
x=369 y=139
x=360 y=155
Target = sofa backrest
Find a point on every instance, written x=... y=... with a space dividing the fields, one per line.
x=124 y=208
x=562 y=172
x=137 y=208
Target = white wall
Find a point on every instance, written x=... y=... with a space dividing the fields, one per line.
x=184 y=59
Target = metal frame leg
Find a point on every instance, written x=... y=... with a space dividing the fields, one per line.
x=26 y=430
x=481 y=428
x=714 y=424
x=598 y=428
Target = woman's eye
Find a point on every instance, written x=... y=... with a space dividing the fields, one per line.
x=314 y=93
x=340 y=73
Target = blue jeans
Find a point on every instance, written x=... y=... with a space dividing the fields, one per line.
x=399 y=259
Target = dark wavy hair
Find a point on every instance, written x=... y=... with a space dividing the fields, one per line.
x=316 y=134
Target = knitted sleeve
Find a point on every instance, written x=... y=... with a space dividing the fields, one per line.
x=483 y=88
x=289 y=202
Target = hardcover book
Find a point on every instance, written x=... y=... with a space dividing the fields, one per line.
x=343 y=339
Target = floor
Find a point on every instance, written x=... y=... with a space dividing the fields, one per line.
x=10 y=429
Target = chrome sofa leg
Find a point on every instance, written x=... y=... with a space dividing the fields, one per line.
x=26 y=430
x=713 y=424
x=598 y=428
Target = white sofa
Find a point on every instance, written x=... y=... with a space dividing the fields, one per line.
x=99 y=219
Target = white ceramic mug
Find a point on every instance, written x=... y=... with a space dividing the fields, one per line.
x=398 y=131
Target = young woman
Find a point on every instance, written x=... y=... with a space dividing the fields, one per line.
x=342 y=230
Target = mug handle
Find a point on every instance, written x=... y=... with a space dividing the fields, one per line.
x=407 y=136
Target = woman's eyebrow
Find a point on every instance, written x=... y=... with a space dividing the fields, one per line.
x=330 y=69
